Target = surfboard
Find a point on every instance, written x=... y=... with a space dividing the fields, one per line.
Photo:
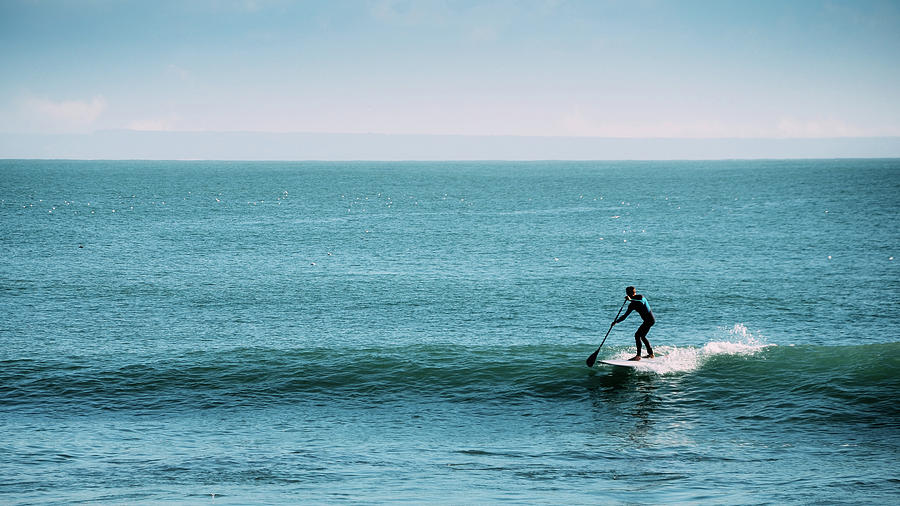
x=632 y=364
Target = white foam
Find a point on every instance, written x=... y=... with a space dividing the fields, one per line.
x=672 y=359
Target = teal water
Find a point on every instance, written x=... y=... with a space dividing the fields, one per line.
x=250 y=332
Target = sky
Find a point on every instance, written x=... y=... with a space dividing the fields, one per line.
x=593 y=68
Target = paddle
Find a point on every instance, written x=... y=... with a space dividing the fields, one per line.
x=593 y=358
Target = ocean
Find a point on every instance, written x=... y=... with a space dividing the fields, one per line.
x=377 y=332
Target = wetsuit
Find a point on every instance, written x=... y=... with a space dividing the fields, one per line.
x=639 y=304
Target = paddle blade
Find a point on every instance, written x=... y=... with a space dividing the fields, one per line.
x=593 y=358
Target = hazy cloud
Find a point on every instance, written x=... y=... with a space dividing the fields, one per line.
x=408 y=12
x=63 y=115
x=793 y=127
x=579 y=123
x=167 y=123
x=179 y=72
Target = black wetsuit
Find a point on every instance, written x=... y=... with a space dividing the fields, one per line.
x=639 y=304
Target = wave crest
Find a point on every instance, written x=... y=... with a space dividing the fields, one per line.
x=738 y=341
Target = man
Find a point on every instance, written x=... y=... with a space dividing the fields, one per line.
x=639 y=304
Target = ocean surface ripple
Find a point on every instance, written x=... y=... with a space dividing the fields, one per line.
x=372 y=332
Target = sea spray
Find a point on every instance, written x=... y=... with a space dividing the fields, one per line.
x=671 y=359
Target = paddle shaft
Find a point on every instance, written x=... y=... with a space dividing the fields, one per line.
x=593 y=358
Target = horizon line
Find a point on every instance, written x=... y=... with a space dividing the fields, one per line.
x=451 y=160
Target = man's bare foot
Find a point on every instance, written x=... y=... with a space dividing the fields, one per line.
x=648 y=356
x=635 y=358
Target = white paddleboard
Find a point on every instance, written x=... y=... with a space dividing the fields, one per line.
x=633 y=364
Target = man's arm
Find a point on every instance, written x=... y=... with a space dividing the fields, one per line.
x=630 y=309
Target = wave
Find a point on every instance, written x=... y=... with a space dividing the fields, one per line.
x=737 y=370
x=672 y=359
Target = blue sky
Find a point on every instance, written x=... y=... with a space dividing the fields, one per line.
x=614 y=68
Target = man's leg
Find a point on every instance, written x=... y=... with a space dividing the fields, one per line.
x=641 y=335
x=649 y=349
x=637 y=343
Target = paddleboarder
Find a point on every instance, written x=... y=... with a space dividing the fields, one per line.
x=639 y=304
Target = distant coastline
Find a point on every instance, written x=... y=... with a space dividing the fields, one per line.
x=167 y=145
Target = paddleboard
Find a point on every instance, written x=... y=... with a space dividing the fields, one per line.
x=633 y=364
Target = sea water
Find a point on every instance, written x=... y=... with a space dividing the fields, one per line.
x=250 y=332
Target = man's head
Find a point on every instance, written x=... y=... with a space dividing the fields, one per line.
x=629 y=291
